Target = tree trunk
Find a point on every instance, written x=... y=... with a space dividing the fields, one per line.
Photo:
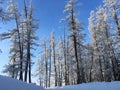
x=90 y=78
x=20 y=50
x=77 y=61
x=50 y=68
x=55 y=69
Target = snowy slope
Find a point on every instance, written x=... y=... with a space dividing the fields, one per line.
x=12 y=84
x=7 y=83
x=92 y=86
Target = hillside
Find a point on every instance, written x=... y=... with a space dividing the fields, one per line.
x=7 y=83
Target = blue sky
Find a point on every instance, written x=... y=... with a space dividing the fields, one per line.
x=49 y=12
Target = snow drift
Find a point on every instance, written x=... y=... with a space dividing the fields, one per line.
x=7 y=83
x=92 y=86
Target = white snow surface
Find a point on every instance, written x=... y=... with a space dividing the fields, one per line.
x=92 y=86
x=7 y=83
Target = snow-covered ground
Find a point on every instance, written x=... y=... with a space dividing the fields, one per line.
x=92 y=86
x=7 y=83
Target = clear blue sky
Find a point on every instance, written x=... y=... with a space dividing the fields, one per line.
x=49 y=12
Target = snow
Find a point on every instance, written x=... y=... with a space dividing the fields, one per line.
x=7 y=83
x=92 y=86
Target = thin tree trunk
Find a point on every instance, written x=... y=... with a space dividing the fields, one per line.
x=20 y=50
x=50 y=67
x=55 y=69
x=27 y=61
x=90 y=78
x=65 y=59
x=46 y=65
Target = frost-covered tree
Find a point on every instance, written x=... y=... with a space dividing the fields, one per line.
x=50 y=60
x=11 y=71
x=3 y=13
x=13 y=13
x=53 y=45
x=14 y=54
x=40 y=72
x=30 y=26
x=96 y=42
x=113 y=8
x=75 y=28
x=23 y=38
x=46 y=61
x=102 y=43
x=65 y=53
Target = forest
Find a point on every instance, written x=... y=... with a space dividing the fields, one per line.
x=70 y=59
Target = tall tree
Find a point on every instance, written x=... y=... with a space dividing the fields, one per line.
x=102 y=44
x=23 y=37
x=15 y=15
x=113 y=8
x=30 y=28
x=64 y=47
x=75 y=27
x=53 y=44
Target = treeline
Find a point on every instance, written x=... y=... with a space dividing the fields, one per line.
x=69 y=60
x=23 y=39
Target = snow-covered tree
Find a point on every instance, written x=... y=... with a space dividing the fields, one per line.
x=30 y=26
x=23 y=38
x=3 y=13
x=15 y=15
x=53 y=45
x=75 y=27
x=113 y=8
x=102 y=43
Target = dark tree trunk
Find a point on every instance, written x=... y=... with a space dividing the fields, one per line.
x=77 y=61
x=46 y=67
x=20 y=49
x=50 y=67
x=65 y=59
x=55 y=68
x=117 y=22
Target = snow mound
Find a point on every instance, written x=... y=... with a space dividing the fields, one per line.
x=92 y=86
x=7 y=83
